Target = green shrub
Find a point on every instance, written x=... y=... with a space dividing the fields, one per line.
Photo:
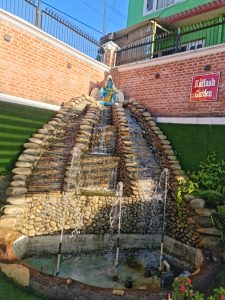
x=210 y=173
x=210 y=196
x=183 y=290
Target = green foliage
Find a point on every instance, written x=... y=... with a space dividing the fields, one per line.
x=210 y=196
x=218 y=218
x=9 y=290
x=210 y=173
x=183 y=290
x=218 y=294
x=207 y=183
x=185 y=187
x=221 y=211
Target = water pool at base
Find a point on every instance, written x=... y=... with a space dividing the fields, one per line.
x=97 y=269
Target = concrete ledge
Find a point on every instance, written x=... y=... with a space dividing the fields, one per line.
x=27 y=102
x=196 y=121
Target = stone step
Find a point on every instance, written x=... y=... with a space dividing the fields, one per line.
x=50 y=165
x=95 y=178
x=97 y=192
x=48 y=185
x=55 y=157
x=99 y=159
x=63 y=145
x=104 y=168
x=98 y=186
x=44 y=189
x=57 y=150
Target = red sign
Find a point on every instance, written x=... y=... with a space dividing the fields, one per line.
x=205 y=87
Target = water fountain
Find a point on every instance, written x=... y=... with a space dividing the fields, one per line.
x=74 y=179
x=115 y=224
x=115 y=244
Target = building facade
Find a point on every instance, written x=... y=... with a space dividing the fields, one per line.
x=163 y=27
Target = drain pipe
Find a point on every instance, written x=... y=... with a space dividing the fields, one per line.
x=119 y=194
x=161 y=261
x=59 y=252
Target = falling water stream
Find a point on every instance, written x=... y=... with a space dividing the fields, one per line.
x=100 y=166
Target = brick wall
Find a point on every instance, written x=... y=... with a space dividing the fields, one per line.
x=169 y=95
x=33 y=65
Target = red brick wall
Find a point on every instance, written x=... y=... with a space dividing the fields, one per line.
x=33 y=68
x=169 y=95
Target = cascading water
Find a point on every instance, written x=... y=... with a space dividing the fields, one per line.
x=100 y=146
x=149 y=171
x=163 y=185
x=119 y=194
x=115 y=221
x=74 y=178
x=100 y=167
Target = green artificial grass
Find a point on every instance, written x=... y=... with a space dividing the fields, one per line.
x=193 y=143
x=9 y=290
x=17 y=124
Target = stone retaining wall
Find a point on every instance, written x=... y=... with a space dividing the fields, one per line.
x=191 y=223
x=21 y=210
x=128 y=170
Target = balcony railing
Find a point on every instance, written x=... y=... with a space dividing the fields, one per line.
x=189 y=38
x=53 y=22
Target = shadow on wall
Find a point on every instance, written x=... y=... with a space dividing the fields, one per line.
x=98 y=84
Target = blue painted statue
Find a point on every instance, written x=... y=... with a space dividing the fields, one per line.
x=108 y=93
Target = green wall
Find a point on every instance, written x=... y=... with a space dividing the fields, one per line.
x=193 y=143
x=17 y=123
x=135 y=10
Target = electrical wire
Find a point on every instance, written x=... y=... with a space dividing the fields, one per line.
x=72 y=17
x=94 y=9
x=115 y=10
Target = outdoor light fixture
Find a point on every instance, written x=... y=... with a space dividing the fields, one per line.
x=157 y=75
x=207 y=67
x=69 y=66
x=7 y=37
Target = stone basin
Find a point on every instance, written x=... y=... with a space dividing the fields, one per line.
x=37 y=258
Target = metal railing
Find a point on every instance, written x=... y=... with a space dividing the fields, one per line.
x=189 y=38
x=53 y=22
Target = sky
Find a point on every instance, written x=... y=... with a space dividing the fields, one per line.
x=91 y=12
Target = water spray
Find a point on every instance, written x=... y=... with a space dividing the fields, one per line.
x=166 y=184
x=119 y=194
x=59 y=251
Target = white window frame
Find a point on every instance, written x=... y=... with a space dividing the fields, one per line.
x=145 y=12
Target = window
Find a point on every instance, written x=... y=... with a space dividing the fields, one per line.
x=198 y=44
x=153 y=5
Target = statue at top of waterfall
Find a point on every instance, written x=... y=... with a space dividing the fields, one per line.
x=108 y=93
